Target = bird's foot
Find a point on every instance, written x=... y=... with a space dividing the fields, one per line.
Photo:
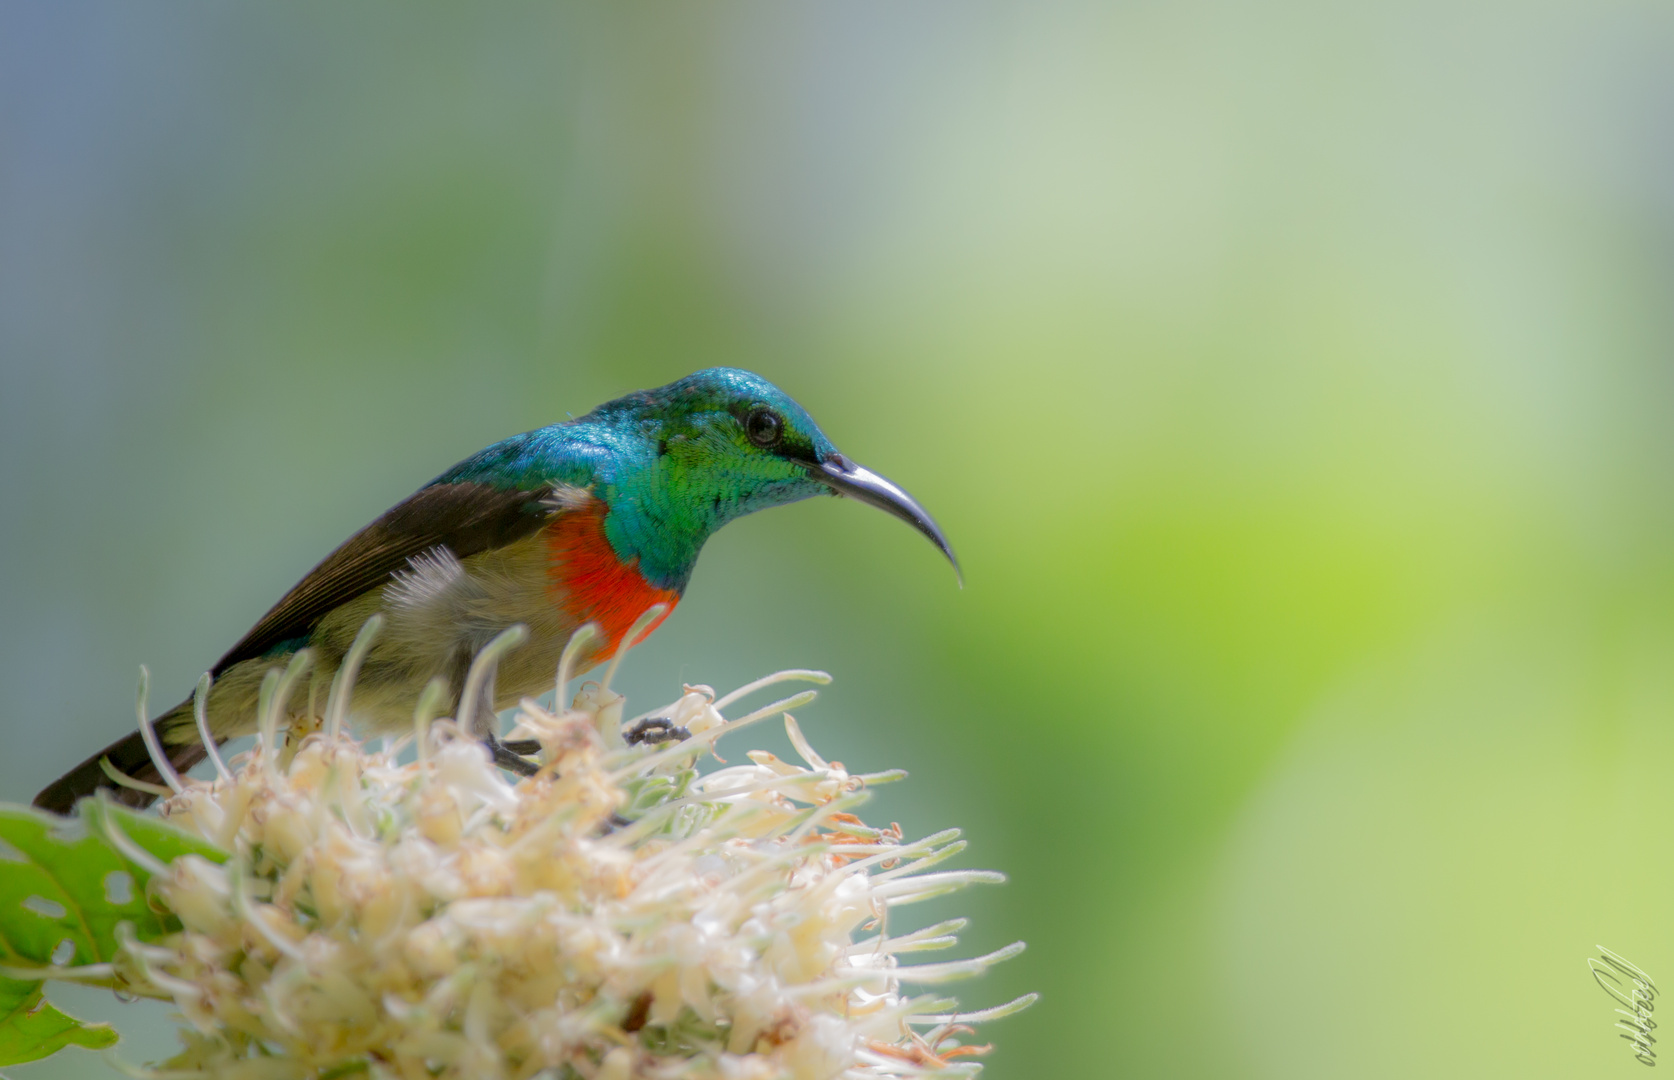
x=505 y=757
x=656 y=729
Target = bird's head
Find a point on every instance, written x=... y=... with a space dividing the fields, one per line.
x=697 y=453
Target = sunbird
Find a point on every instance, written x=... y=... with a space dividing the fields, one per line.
x=593 y=520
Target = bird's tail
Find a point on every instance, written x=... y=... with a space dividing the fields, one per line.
x=127 y=755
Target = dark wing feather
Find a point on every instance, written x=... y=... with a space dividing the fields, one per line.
x=466 y=518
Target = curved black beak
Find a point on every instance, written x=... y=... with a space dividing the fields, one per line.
x=856 y=482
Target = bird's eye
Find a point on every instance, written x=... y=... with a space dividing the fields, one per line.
x=764 y=428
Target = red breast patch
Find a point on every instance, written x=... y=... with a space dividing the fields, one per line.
x=589 y=582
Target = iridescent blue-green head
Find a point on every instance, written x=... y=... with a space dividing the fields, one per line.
x=687 y=458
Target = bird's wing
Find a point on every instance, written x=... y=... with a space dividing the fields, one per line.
x=464 y=517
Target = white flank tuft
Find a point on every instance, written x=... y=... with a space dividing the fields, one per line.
x=432 y=573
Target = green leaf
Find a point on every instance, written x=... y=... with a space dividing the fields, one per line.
x=15 y=994
x=157 y=837
x=64 y=888
x=32 y=1028
x=62 y=881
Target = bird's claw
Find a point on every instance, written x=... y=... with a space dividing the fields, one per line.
x=505 y=757
x=522 y=746
x=653 y=730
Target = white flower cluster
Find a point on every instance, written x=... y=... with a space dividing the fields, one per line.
x=619 y=914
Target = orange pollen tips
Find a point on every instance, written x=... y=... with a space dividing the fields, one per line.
x=591 y=584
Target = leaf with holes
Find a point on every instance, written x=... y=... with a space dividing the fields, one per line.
x=64 y=888
x=31 y=1028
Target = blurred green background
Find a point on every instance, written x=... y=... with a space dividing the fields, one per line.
x=1294 y=380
